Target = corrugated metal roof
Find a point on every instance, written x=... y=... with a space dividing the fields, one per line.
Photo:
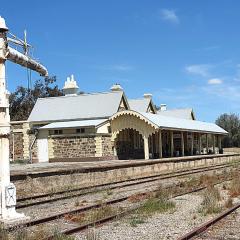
x=185 y=113
x=74 y=124
x=84 y=106
x=139 y=105
x=182 y=124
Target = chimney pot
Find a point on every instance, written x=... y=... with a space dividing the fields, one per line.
x=147 y=95
x=70 y=86
x=163 y=107
x=116 y=88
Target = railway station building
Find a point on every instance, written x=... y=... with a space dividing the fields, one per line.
x=108 y=125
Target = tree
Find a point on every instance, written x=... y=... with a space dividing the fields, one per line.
x=231 y=123
x=23 y=99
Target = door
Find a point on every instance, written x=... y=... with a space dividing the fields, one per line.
x=42 y=145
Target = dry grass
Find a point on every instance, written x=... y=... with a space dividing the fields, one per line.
x=94 y=215
x=92 y=234
x=39 y=234
x=234 y=189
x=139 y=197
x=3 y=233
x=228 y=203
x=210 y=203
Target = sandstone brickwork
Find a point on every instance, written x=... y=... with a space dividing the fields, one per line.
x=16 y=151
x=107 y=146
x=73 y=146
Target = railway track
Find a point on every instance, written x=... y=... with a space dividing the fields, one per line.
x=62 y=195
x=94 y=206
x=121 y=214
x=202 y=228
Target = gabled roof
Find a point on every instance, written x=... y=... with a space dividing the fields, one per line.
x=141 y=105
x=83 y=106
x=157 y=121
x=185 y=113
x=74 y=124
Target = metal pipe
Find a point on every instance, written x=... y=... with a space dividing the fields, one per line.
x=25 y=61
x=16 y=41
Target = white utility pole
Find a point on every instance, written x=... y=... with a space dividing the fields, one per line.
x=8 y=213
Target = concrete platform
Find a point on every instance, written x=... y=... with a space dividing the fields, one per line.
x=40 y=178
x=22 y=171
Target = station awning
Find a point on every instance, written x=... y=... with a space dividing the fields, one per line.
x=170 y=123
x=75 y=124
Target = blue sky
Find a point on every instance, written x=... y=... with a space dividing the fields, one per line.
x=186 y=53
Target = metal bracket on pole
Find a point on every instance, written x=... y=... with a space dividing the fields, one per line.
x=8 y=213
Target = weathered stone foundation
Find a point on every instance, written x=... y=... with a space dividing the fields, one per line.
x=77 y=175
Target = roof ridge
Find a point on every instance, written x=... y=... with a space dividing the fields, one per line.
x=80 y=95
x=171 y=109
x=137 y=99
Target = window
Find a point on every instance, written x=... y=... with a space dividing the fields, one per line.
x=80 y=130
x=57 y=132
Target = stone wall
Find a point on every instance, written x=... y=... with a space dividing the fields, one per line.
x=16 y=139
x=231 y=150
x=73 y=146
x=75 y=176
x=107 y=146
x=80 y=147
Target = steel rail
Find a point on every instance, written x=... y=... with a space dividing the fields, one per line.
x=123 y=213
x=93 y=206
x=196 y=231
x=149 y=179
x=118 y=182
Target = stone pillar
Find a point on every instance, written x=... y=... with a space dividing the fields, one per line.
x=200 y=143
x=160 y=144
x=26 y=141
x=172 y=143
x=214 y=144
x=182 y=143
x=207 y=143
x=139 y=141
x=219 y=142
x=134 y=139
x=156 y=143
x=98 y=146
x=146 y=147
x=192 y=143
x=152 y=147
x=187 y=142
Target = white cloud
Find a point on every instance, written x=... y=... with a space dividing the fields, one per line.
x=215 y=81
x=169 y=15
x=198 y=69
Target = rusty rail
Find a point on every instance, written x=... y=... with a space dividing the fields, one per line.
x=196 y=231
x=94 y=189
x=90 y=207
x=123 y=213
